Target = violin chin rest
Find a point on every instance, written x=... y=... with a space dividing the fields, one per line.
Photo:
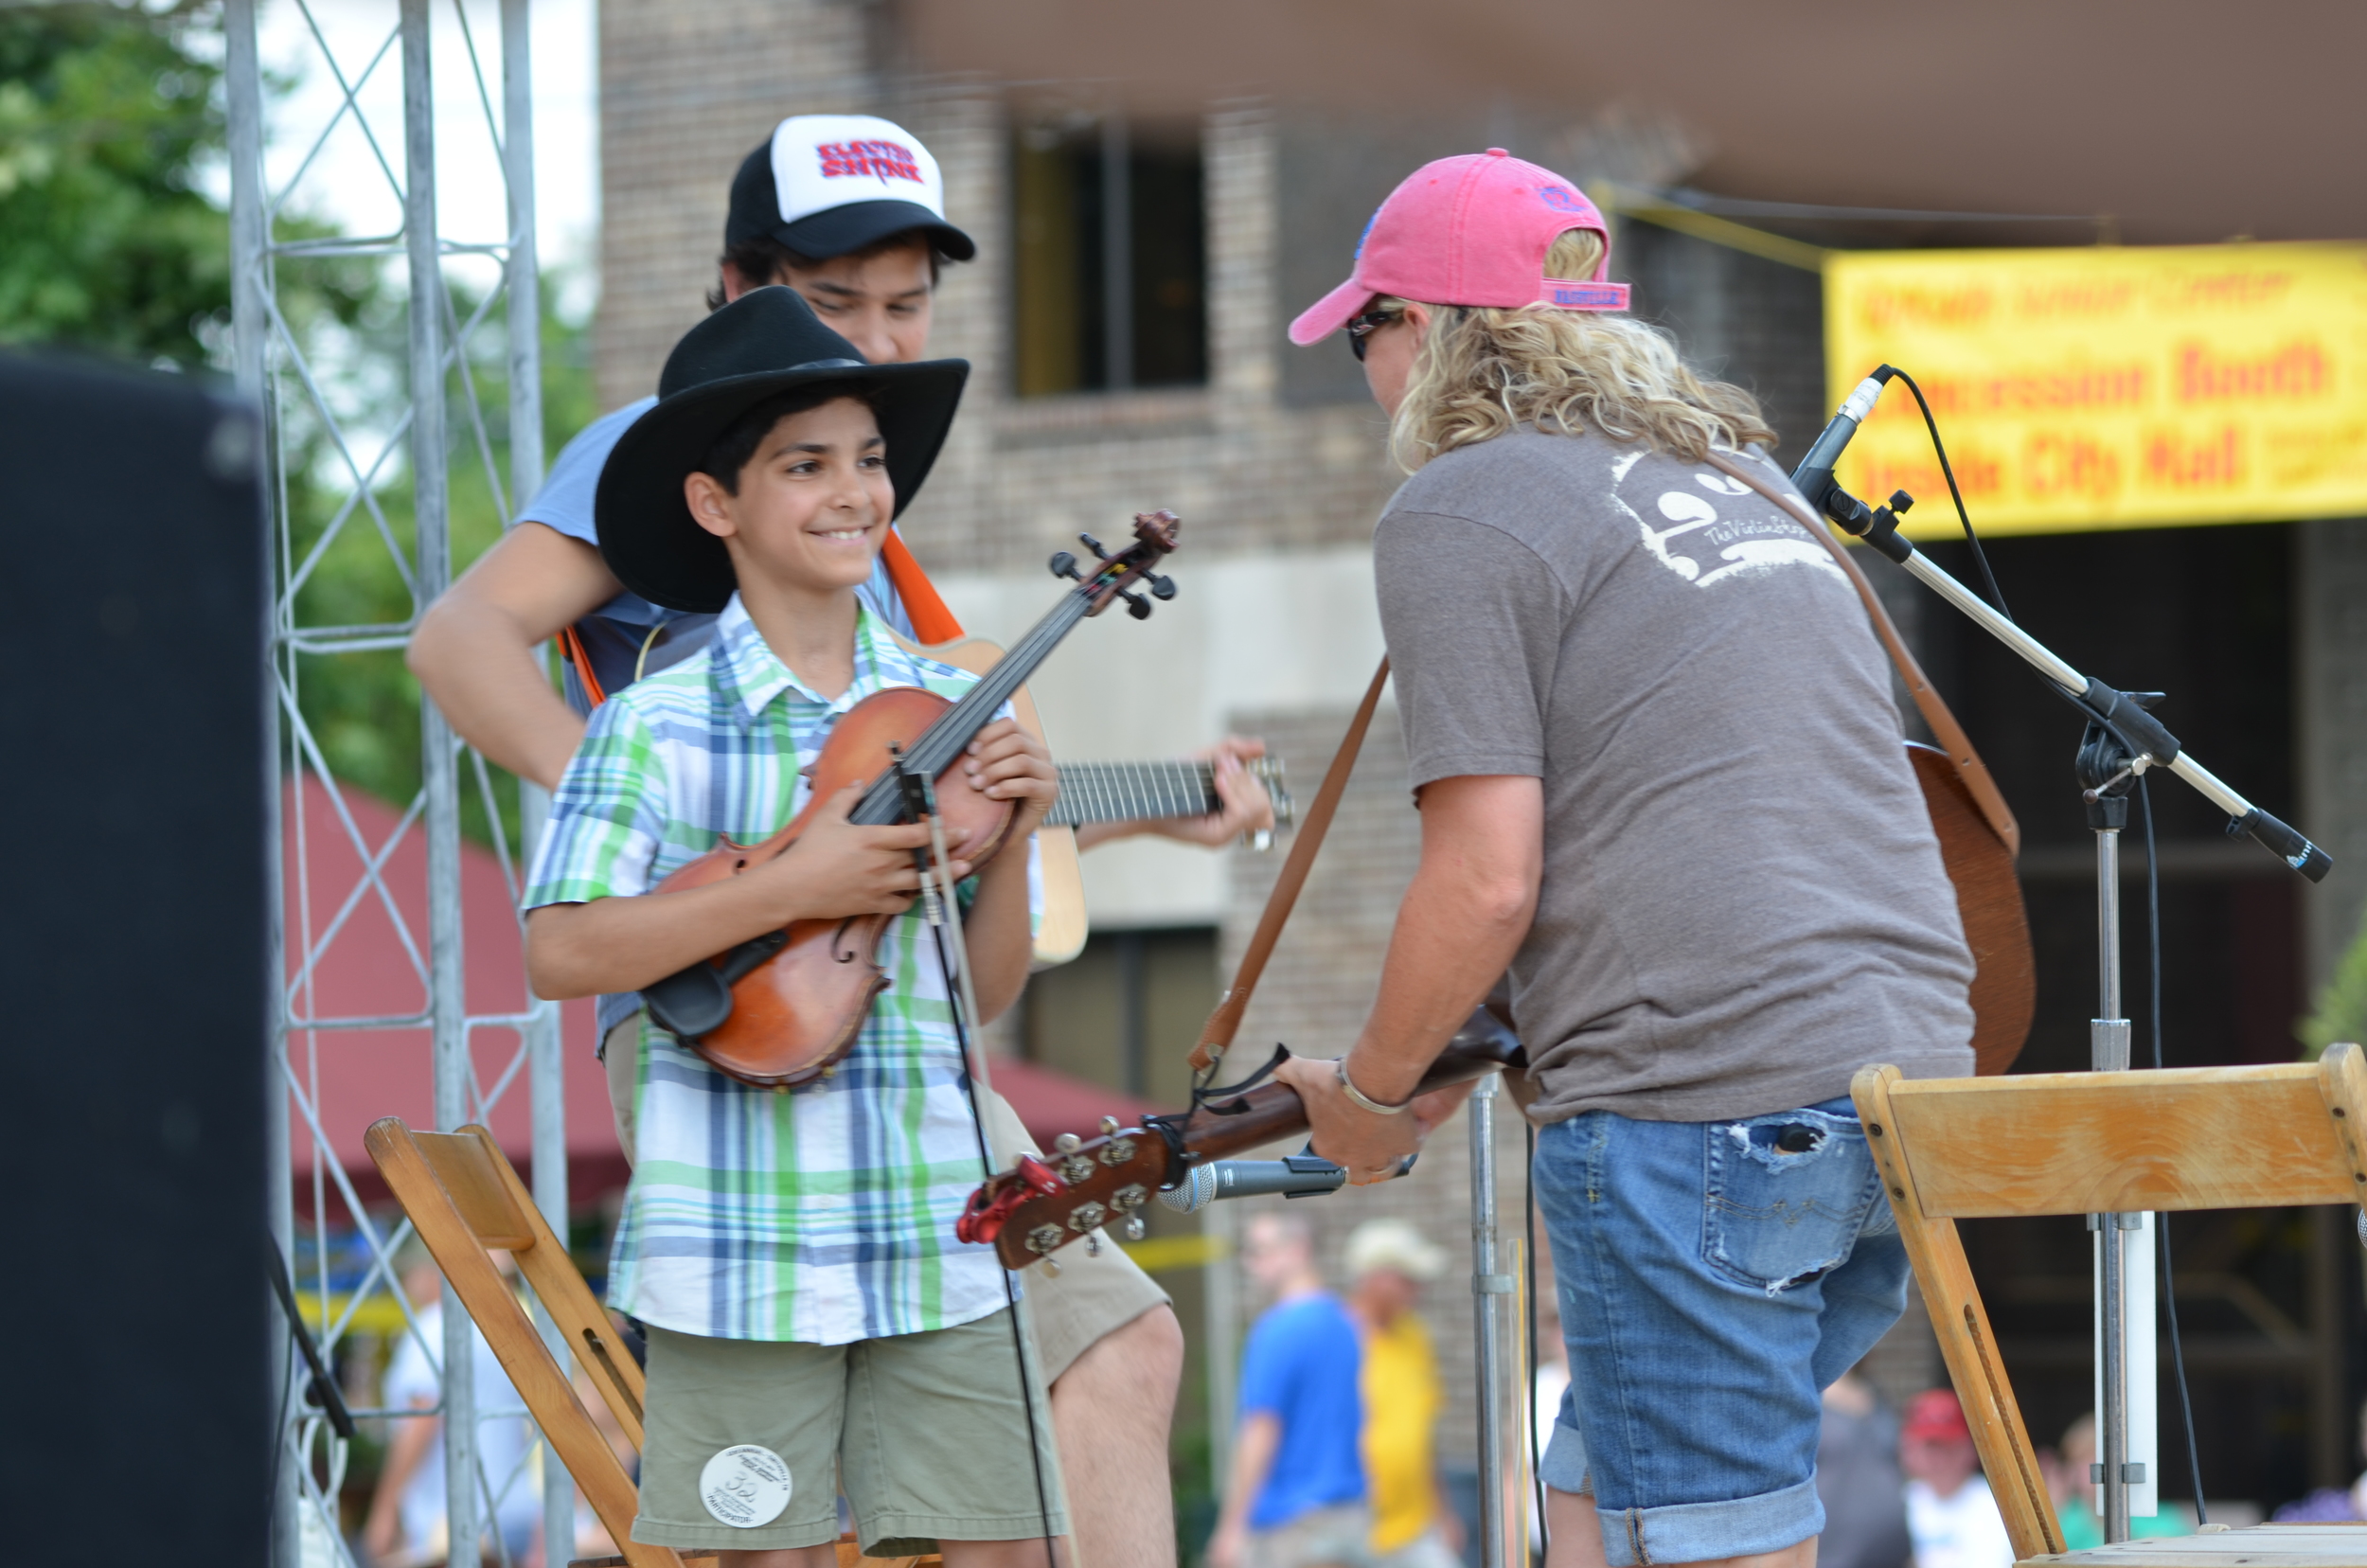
x=690 y=1003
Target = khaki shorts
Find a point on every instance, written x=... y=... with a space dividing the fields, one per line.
x=927 y=1435
x=1067 y=1314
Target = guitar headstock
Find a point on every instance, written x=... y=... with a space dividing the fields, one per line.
x=1033 y=1210
x=1155 y=536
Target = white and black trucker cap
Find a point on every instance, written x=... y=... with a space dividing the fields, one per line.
x=827 y=184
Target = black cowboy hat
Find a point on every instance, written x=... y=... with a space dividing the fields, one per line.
x=768 y=341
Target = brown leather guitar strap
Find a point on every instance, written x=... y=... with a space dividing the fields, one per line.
x=1944 y=729
x=1222 y=1023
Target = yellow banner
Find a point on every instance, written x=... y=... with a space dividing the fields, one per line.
x=2108 y=387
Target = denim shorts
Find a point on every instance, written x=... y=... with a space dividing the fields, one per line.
x=1714 y=1277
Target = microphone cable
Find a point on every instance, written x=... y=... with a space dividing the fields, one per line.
x=949 y=912
x=2153 y=943
x=2161 y=1221
x=1979 y=557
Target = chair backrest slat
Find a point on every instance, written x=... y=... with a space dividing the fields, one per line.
x=462 y=1164
x=464 y=1198
x=2091 y=1143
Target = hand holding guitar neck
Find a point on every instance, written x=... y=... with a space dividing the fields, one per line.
x=1039 y=1206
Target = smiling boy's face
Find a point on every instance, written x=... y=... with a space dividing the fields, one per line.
x=813 y=503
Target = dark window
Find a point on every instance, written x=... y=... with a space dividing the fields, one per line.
x=1112 y=264
x=1127 y=1012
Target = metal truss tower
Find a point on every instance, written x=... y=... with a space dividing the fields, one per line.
x=287 y=371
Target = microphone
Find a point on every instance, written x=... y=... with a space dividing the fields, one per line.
x=1299 y=1176
x=1814 y=476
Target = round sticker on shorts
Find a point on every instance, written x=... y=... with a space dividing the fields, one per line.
x=745 y=1485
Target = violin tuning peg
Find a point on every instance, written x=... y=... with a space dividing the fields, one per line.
x=1134 y=1227
x=1162 y=588
x=1136 y=606
x=1094 y=545
x=1109 y=1127
x=1063 y=565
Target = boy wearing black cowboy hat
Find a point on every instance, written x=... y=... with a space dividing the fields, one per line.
x=813 y=1318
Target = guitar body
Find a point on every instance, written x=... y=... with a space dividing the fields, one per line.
x=796 y=1015
x=1989 y=898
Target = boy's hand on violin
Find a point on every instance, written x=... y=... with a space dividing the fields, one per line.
x=837 y=868
x=1007 y=763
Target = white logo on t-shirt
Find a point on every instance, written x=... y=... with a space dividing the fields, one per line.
x=1692 y=539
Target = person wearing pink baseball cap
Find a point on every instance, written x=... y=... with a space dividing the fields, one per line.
x=1663 y=793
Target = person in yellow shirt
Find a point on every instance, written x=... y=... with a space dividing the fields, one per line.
x=1389 y=1262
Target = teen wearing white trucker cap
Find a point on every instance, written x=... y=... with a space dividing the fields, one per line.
x=847 y=210
x=1630 y=685
x=830 y=184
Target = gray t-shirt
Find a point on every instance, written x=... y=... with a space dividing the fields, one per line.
x=1743 y=900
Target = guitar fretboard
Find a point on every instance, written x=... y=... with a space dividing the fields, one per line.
x=1127 y=792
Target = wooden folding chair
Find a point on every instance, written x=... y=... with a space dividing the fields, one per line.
x=464 y=1198
x=2105 y=1142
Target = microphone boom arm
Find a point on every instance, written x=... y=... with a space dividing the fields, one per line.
x=2152 y=744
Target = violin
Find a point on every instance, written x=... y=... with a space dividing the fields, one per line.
x=1039 y=1206
x=784 y=1008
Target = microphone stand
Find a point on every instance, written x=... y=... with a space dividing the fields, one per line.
x=2122 y=741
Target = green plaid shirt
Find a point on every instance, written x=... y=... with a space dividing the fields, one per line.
x=825 y=1214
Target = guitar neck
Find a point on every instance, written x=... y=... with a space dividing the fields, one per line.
x=1274 y=1111
x=1130 y=792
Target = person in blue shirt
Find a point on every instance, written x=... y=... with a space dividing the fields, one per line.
x=1296 y=1497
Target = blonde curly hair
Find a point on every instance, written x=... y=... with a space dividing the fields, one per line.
x=1483 y=371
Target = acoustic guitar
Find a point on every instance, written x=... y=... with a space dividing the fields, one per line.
x=1039 y=1206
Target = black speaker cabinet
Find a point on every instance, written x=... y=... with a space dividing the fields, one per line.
x=138 y=1381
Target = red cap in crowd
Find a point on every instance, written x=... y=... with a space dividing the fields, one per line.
x=1934 y=1417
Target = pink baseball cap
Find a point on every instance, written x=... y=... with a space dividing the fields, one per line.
x=1470 y=230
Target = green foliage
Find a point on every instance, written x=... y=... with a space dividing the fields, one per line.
x=104 y=244
x=108 y=114
x=2342 y=1012
x=363 y=708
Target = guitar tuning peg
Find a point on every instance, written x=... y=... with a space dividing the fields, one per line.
x=1162 y=588
x=1094 y=545
x=1093 y=1243
x=1109 y=1127
x=1052 y=1268
x=1063 y=565
x=1136 y=606
x=1067 y=1143
x=1134 y=1226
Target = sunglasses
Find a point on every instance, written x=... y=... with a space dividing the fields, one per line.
x=1365 y=326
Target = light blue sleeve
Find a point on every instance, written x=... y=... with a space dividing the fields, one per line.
x=565 y=502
